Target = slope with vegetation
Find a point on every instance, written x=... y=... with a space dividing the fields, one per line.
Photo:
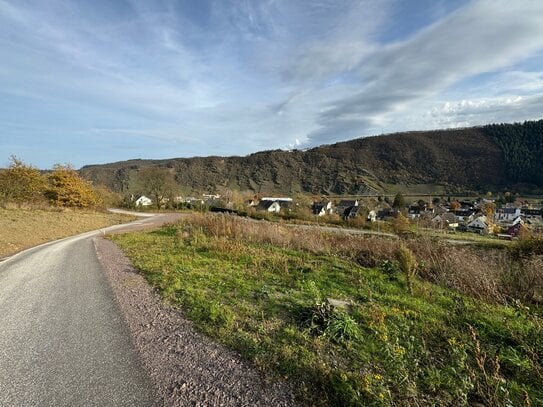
x=522 y=146
x=356 y=321
x=479 y=158
x=37 y=207
x=22 y=228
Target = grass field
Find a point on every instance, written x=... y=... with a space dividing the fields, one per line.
x=24 y=228
x=271 y=297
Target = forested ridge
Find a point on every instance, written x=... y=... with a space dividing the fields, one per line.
x=522 y=146
x=493 y=157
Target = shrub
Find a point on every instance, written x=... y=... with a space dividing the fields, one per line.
x=68 y=189
x=528 y=247
x=407 y=264
x=21 y=183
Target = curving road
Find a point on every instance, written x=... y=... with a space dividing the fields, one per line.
x=63 y=341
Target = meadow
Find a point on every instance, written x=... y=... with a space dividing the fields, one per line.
x=354 y=320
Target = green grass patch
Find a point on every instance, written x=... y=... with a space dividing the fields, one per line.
x=385 y=344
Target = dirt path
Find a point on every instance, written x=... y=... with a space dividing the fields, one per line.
x=186 y=368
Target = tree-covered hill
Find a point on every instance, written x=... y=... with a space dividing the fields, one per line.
x=522 y=147
x=477 y=158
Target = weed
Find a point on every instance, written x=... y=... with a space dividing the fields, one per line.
x=261 y=289
x=390 y=268
x=408 y=265
x=323 y=319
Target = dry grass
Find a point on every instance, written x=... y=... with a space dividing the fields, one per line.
x=261 y=232
x=490 y=274
x=261 y=288
x=475 y=272
x=21 y=228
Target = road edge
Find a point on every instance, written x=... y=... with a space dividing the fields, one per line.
x=185 y=366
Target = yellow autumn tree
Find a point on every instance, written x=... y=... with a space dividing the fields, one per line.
x=21 y=183
x=68 y=189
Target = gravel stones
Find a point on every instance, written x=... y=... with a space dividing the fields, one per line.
x=186 y=367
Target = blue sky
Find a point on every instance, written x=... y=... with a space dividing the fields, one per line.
x=102 y=80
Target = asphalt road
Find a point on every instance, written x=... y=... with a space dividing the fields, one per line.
x=63 y=341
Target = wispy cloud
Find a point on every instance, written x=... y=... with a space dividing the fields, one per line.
x=481 y=37
x=231 y=77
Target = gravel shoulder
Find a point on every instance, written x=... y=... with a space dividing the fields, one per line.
x=186 y=367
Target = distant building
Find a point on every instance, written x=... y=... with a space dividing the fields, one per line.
x=479 y=225
x=531 y=212
x=211 y=197
x=464 y=215
x=278 y=199
x=515 y=229
x=269 y=206
x=318 y=209
x=351 y=212
x=321 y=208
x=506 y=215
x=344 y=205
x=445 y=220
x=142 y=200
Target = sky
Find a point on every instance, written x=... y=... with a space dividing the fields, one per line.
x=96 y=81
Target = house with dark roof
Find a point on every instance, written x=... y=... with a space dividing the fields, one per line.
x=445 y=220
x=269 y=206
x=464 y=215
x=507 y=214
x=531 y=212
x=387 y=213
x=343 y=205
x=318 y=209
x=351 y=212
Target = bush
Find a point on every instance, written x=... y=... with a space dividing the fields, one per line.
x=528 y=247
x=475 y=272
x=66 y=188
x=21 y=183
x=407 y=264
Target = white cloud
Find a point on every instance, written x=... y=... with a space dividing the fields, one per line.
x=243 y=75
x=481 y=37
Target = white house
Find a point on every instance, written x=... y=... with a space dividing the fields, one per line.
x=143 y=201
x=269 y=206
x=464 y=215
x=279 y=199
x=506 y=215
x=318 y=209
x=372 y=215
x=327 y=206
x=479 y=225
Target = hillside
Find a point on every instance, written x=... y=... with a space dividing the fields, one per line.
x=477 y=158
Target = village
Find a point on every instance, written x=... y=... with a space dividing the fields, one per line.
x=501 y=217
